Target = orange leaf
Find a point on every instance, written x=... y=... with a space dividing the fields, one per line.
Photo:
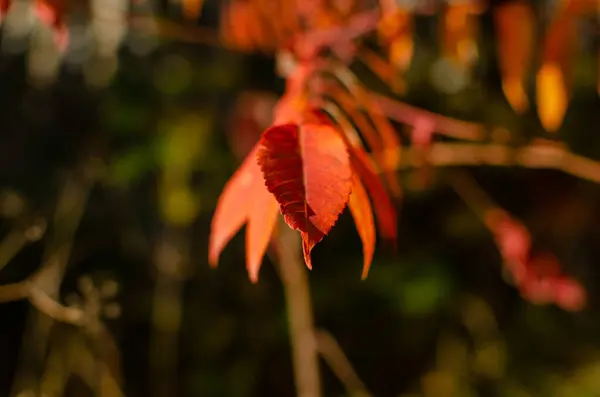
x=553 y=79
x=307 y=168
x=385 y=211
x=244 y=199
x=551 y=96
x=515 y=26
x=460 y=28
x=360 y=208
x=261 y=222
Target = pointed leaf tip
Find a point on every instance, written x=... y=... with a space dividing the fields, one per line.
x=384 y=208
x=261 y=223
x=233 y=208
x=360 y=208
x=245 y=198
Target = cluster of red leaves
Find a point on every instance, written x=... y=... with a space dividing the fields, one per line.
x=311 y=163
x=538 y=276
x=306 y=168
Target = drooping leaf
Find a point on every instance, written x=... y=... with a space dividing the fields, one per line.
x=385 y=211
x=552 y=96
x=515 y=27
x=307 y=168
x=360 y=208
x=244 y=199
x=261 y=223
x=232 y=208
x=553 y=80
x=362 y=165
x=389 y=158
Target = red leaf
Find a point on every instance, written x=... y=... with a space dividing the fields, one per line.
x=244 y=199
x=360 y=208
x=307 y=168
x=385 y=210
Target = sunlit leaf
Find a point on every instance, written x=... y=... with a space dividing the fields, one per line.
x=553 y=82
x=551 y=96
x=360 y=208
x=307 y=168
x=233 y=207
x=261 y=223
x=364 y=167
x=244 y=199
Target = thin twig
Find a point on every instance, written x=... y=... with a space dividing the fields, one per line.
x=334 y=356
x=411 y=115
x=299 y=312
x=536 y=155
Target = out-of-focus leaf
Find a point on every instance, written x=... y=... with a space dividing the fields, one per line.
x=459 y=32
x=360 y=208
x=396 y=33
x=131 y=165
x=261 y=223
x=307 y=168
x=192 y=8
x=183 y=145
x=515 y=27
x=553 y=82
x=552 y=96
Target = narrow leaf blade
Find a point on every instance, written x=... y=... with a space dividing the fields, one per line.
x=385 y=210
x=261 y=223
x=233 y=207
x=360 y=208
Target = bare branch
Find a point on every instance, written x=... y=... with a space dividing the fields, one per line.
x=538 y=154
x=334 y=356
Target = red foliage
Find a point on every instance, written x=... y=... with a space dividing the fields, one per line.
x=307 y=169
x=244 y=199
x=537 y=275
x=311 y=161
